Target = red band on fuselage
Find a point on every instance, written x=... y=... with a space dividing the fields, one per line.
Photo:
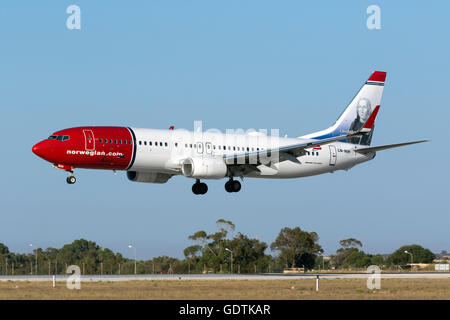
x=89 y=148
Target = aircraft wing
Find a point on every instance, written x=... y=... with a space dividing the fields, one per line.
x=291 y=152
x=388 y=146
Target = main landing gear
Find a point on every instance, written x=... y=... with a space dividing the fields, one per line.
x=199 y=187
x=71 y=179
x=232 y=185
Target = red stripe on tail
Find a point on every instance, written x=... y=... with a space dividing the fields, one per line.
x=369 y=123
x=378 y=76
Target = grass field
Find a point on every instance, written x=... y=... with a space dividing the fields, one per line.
x=231 y=289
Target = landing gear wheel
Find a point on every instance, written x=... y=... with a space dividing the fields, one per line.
x=228 y=186
x=199 y=188
x=71 y=180
x=236 y=186
x=203 y=188
x=232 y=186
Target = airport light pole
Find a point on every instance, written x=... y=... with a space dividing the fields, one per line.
x=130 y=246
x=411 y=257
x=231 y=269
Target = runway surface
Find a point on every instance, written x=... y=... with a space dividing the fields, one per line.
x=271 y=276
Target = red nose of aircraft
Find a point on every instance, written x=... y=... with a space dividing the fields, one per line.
x=42 y=149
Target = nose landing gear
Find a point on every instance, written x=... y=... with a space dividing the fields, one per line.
x=71 y=179
x=232 y=185
x=199 y=187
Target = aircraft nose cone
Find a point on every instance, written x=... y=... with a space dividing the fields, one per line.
x=41 y=149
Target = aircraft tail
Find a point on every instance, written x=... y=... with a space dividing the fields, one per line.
x=357 y=112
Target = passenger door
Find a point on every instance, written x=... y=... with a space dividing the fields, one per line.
x=333 y=155
x=89 y=141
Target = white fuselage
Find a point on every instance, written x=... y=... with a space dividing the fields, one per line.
x=163 y=150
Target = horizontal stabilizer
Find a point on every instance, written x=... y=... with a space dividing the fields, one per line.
x=388 y=146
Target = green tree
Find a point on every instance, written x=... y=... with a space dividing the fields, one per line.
x=3 y=249
x=420 y=255
x=293 y=243
x=348 y=248
x=210 y=251
x=350 y=243
x=247 y=253
x=357 y=259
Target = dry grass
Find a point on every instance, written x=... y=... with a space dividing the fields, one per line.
x=232 y=289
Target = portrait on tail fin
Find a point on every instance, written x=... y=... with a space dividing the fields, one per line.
x=363 y=112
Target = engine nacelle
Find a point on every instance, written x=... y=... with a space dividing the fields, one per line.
x=148 y=177
x=204 y=168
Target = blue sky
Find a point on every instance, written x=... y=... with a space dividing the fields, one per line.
x=232 y=64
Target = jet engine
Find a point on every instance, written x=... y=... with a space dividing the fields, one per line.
x=148 y=177
x=204 y=168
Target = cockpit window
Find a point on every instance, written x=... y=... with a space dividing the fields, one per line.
x=59 y=138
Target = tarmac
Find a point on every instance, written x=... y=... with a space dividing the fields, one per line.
x=206 y=277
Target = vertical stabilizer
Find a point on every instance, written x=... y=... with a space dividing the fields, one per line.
x=357 y=112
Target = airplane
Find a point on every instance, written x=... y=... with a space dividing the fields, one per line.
x=155 y=155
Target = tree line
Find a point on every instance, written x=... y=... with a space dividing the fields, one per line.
x=222 y=251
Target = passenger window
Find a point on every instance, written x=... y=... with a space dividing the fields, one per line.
x=140 y=142
x=248 y=149
x=185 y=145
x=120 y=141
x=145 y=143
x=165 y=143
x=110 y=140
x=176 y=144
x=149 y=143
x=190 y=145
x=100 y=140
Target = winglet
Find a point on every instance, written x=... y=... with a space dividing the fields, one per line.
x=369 y=123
